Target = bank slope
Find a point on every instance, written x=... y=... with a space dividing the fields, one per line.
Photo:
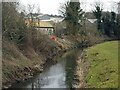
x=103 y=71
x=20 y=62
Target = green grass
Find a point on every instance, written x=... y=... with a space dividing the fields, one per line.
x=103 y=72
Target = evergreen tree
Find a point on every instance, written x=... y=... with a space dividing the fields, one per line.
x=73 y=15
x=98 y=14
x=111 y=24
x=106 y=24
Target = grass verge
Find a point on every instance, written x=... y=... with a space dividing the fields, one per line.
x=103 y=71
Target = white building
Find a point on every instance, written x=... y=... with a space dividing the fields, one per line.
x=56 y=19
x=45 y=27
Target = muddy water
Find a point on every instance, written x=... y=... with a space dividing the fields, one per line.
x=59 y=75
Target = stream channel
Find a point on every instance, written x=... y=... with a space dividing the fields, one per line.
x=59 y=75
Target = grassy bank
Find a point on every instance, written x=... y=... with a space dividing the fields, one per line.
x=103 y=71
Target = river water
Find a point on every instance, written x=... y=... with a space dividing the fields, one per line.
x=59 y=75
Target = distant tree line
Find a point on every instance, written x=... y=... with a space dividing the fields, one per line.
x=109 y=23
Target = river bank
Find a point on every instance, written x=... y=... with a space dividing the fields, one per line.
x=21 y=75
x=30 y=72
x=55 y=75
x=81 y=71
x=19 y=65
x=97 y=67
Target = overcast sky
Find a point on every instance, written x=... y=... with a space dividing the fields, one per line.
x=53 y=6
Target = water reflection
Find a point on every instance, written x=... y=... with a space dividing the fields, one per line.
x=59 y=75
x=70 y=67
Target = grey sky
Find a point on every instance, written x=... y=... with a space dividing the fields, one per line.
x=52 y=6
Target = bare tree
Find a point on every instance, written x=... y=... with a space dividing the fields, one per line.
x=30 y=9
x=38 y=12
x=119 y=7
x=13 y=23
x=33 y=13
x=38 y=9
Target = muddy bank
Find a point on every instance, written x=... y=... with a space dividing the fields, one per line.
x=81 y=71
x=83 y=65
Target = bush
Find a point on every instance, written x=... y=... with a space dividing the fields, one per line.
x=14 y=28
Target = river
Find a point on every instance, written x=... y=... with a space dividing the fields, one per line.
x=59 y=75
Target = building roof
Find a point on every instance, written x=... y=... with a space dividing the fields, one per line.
x=92 y=20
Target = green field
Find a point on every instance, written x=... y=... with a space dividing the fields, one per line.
x=103 y=59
